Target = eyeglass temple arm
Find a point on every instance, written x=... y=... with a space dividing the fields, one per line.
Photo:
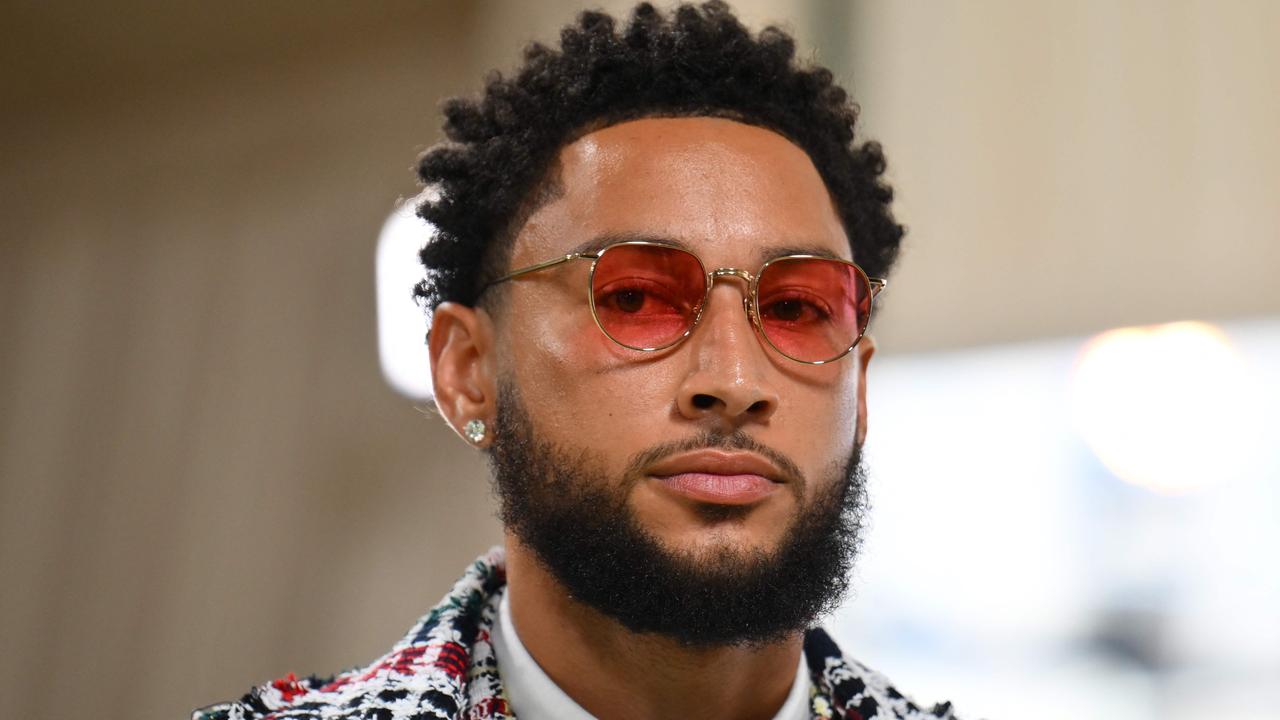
x=877 y=285
x=535 y=268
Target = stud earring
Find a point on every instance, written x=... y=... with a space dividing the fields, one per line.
x=474 y=431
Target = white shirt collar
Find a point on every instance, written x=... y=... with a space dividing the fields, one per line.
x=533 y=695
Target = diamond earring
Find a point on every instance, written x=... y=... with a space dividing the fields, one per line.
x=474 y=431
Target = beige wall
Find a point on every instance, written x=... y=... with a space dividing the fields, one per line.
x=204 y=482
x=1067 y=167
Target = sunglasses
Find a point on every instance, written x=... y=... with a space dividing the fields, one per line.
x=649 y=296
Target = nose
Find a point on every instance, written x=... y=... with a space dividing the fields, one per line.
x=728 y=378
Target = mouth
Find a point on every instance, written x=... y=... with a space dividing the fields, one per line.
x=719 y=478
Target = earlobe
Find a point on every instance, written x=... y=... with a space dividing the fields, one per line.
x=461 y=349
x=862 y=355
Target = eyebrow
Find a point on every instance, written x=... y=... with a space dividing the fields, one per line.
x=815 y=250
x=600 y=242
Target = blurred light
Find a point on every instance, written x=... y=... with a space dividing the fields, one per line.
x=1165 y=407
x=1004 y=564
x=402 y=326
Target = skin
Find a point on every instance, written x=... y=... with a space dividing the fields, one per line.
x=736 y=195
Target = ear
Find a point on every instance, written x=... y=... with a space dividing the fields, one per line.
x=863 y=352
x=462 y=366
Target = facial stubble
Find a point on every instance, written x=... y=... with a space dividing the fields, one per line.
x=578 y=523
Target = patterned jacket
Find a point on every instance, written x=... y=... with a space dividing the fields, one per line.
x=445 y=669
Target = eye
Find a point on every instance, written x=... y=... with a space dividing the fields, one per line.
x=639 y=296
x=794 y=308
x=628 y=301
x=786 y=310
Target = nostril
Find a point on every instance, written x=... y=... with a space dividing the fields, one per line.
x=758 y=407
x=703 y=401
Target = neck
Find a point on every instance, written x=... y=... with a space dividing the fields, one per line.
x=615 y=673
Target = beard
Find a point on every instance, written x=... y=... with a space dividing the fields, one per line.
x=578 y=524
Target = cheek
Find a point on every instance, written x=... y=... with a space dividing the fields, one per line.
x=577 y=383
x=847 y=408
x=822 y=420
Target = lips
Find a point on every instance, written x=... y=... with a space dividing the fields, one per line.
x=717 y=477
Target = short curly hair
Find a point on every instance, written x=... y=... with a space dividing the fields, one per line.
x=498 y=164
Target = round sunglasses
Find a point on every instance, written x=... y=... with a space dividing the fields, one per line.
x=648 y=296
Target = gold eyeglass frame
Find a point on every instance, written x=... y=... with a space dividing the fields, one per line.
x=750 y=301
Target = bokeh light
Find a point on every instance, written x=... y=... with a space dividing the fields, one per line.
x=402 y=348
x=1165 y=407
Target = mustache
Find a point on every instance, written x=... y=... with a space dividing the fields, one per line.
x=737 y=440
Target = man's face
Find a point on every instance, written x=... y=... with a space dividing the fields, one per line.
x=736 y=195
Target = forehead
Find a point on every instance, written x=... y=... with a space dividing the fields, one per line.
x=735 y=193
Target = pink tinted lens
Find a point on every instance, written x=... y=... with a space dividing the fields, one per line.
x=813 y=309
x=647 y=296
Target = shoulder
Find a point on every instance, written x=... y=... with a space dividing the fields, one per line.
x=264 y=699
x=848 y=690
x=219 y=711
x=440 y=668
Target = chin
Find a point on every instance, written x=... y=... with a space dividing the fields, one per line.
x=736 y=537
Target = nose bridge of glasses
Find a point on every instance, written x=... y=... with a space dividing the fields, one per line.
x=729 y=273
x=743 y=275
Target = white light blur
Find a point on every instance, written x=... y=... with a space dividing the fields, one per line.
x=402 y=326
x=1166 y=407
x=1005 y=564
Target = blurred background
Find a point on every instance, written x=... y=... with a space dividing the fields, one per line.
x=208 y=480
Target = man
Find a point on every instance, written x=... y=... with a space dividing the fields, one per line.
x=646 y=311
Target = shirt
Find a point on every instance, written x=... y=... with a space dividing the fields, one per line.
x=533 y=693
